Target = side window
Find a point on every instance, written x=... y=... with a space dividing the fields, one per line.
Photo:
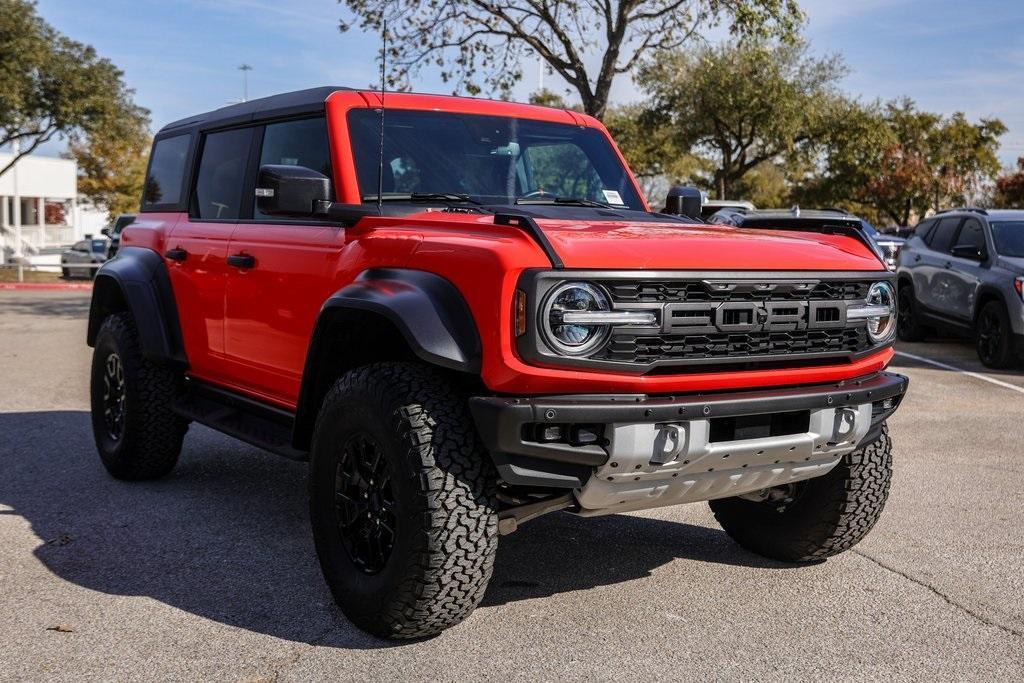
x=971 y=235
x=941 y=238
x=923 y=229
x=166 y=172
x=296 y=143
x=221 y=177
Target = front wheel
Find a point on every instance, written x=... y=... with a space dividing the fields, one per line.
x=402 y=501
x=814 y=519
x=993 y=337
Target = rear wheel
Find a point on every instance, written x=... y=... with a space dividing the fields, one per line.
x=137 y=433
x=402 y=501
x=65 y=273
x=814 y=519
x=908 y=326
x=993 y=336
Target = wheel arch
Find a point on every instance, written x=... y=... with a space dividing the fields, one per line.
x=987 y=293
x=137 y=281
x=385 y=314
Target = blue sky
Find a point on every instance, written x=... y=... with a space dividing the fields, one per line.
x=181 y=57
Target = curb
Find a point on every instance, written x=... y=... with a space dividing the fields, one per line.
x=44 y=286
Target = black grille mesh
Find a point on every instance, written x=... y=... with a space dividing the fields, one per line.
x=649 y=348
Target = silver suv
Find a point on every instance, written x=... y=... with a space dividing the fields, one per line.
x=962 y=271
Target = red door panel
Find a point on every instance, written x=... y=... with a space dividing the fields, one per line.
x=272 y=307
x=199 y=282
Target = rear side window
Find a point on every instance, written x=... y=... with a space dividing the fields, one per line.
x=923 y=229
x=941 y=238
x=296 y=143
x=221 y=178
x=166 y=173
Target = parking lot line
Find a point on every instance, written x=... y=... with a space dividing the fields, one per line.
x=976 y=375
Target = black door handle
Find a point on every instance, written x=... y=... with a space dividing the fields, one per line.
x=176 y=254
x=243 y=261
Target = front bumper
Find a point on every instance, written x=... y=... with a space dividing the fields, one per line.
x=508 y=426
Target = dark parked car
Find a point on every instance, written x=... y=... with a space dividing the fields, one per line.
x=114 y=232
x=84 y=258
x=888 y=246
x=962 y=272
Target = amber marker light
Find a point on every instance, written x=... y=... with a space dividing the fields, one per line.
x=520 y=313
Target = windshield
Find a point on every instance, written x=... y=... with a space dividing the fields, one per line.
x=486 y=159
x=1009 y=238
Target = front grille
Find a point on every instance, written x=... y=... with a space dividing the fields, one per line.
x=644 y=349
x=669 y=291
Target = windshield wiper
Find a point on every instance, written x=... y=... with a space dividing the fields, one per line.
x=423 y=197
x=568 y=201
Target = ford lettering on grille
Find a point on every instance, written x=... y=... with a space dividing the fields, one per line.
x=752 y=316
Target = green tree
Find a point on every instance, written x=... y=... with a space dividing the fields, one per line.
x=896 y=162
x=112 y=166
x=52 y=86
x=743 y=105
x=652 y=153
x=480 y=44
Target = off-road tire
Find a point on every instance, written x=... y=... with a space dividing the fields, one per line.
x=997 y=353
x=828 y=515
x=443 y=496
x=150 y=442
x=908 y=323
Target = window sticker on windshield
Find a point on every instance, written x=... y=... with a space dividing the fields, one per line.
x=612 y=197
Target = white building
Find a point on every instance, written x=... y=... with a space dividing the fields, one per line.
x=41 y=193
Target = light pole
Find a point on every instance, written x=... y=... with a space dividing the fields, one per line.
x=245 y=69
x=18 y=254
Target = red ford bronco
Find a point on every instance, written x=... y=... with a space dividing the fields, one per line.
x=464 y=315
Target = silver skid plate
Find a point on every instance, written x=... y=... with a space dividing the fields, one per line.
x=652 y=465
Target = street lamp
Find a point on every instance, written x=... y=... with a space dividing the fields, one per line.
x=245 y=69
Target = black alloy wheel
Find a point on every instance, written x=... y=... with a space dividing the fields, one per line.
x=114 y=397
x=992 y=336
x=364 y=503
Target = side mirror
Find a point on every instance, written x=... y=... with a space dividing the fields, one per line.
x=292 y=191
x=105 y=232
x=683 y=201
x=968 y=252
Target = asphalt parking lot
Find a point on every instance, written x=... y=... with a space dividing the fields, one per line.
x=210 y=574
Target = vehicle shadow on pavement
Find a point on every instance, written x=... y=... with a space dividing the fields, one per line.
x=226 y=535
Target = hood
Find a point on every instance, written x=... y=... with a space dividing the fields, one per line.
x=679 y=246
x=1015 y=263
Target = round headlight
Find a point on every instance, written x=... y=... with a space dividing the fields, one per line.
x=881 y=327
x=573 y=339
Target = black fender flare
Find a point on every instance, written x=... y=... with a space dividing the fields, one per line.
x=137 y=280
x=427 y=310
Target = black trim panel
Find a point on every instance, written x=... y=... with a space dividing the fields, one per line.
x=500 y=420
x=139 y=277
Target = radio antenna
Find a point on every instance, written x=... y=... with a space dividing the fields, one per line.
x=380 y=158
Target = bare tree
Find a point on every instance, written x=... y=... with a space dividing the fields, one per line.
x=479 y=45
